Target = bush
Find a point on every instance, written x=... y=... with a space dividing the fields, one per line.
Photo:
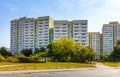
x=23 y=59
x=26 y=52
x=2 y=58
x=35 y=58
x=12 y=59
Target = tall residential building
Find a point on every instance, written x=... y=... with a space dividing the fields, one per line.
x=111 y=33
x=31 y=33
x=76 y=29
x=118 y=32
x=94 y=42
x=115 y=24
x=14 y=36
x=60 y=29
x=44 y=31
x=26 y=33
x=101 y=43
x=80 y=32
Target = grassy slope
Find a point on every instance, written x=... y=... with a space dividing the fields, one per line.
x=112 y=64
x=38 y=66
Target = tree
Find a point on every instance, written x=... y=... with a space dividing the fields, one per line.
x=115 y=54
x=103 y=56
x=42 y=49
x=61 y=50
x=118 y=42
x=66 y=50
x=26 y=52
x=4 y=52
x=83 y=53
x=90 y=54
x=78 y=55
x=37 y=50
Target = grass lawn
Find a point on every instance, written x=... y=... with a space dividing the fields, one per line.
x=8 y=63
x=112 y=64
x=39 y=66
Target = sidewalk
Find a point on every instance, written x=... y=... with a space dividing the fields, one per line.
x=32 y=71
x=100 y=65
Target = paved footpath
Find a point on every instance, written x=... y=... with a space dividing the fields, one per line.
x=100 y=65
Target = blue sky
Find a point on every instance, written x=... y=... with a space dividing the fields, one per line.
x=97 y=12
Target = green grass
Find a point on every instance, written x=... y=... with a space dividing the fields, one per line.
x=40 y=66
x=7 y=63
x=112 y=64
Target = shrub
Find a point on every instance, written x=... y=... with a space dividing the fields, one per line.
x=35 y=58
x=12 y=59
x=2 y=58
x=23 y=59
x=26 y=52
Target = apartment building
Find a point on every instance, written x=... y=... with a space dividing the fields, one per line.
x=101 y=43
x=76 y=30
x=108 y=38
x=80 y=32
x=60 y=29
x=118 y=31
x=26 y=33
x=13 y=37
x=111 y=33
x=44 y=31
x=94 y=42
x=31 y=33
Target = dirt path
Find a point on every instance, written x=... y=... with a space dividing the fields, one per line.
x=100 y=65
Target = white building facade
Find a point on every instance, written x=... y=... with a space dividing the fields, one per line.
x=80 y=32
x=94 y=42
x=108 y=41
x=60 y=29
x=31 y=33
x=43 y=31
x=26 y=33
x=13 y=37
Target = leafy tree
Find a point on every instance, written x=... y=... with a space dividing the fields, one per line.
x=118 y=42
x=83 y=53
x=26 y=52
x=42 y=49
x=103 y=57
x=66 y=50
x=115 y=54
x=78 y=55
x=61 y=50
x=90 y=54
x=4 y=52
x=37 y=50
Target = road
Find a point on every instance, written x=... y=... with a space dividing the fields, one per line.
x=93 y=72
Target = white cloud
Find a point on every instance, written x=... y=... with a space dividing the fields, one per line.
x=11 y=7
x=87 y=3
x=66 y=4
x=98 y=12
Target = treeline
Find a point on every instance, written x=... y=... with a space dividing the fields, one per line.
x=63 y=50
